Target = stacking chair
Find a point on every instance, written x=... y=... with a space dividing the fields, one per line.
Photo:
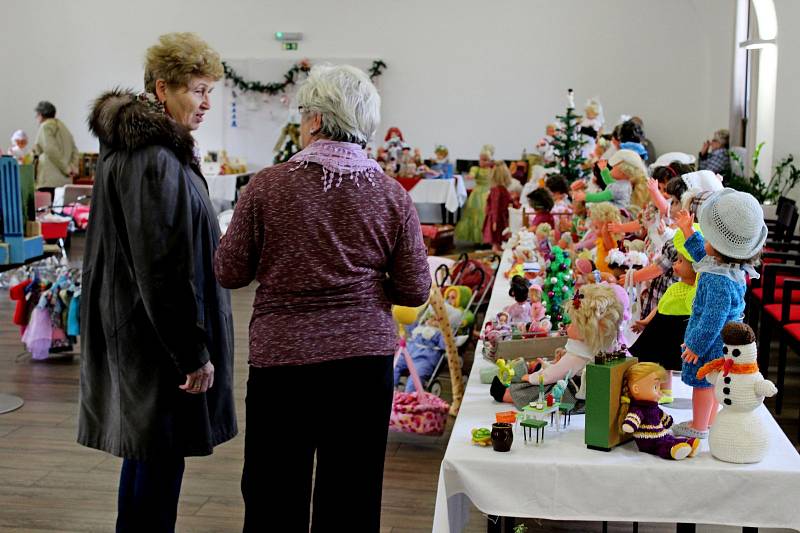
x=790 y=338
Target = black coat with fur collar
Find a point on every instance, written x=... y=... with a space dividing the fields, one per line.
x=151 y=309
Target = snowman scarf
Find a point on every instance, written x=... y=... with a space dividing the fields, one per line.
x=726 y=366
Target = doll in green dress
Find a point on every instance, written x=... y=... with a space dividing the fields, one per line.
x=470 y=227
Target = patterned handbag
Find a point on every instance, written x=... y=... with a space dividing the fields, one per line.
x=417 y=412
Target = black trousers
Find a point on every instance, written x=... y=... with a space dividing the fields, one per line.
x=148 y=495
x=338 y=410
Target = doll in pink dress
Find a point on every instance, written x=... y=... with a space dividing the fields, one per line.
x=519 y=312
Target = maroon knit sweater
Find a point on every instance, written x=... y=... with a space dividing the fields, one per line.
x=329 y=264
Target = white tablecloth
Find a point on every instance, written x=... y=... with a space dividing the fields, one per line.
x=222 y=188
x=450 y=192
x=563 y=480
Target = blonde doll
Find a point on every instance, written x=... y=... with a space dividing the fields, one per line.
x=601 y=215
x=596 y=314
x=643 y=418
x=626 y=182
x=496 y=220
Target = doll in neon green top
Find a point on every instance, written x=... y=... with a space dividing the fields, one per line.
x=662 y=331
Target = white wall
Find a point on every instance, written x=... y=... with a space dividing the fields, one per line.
x=787 y=105
x=461 y=72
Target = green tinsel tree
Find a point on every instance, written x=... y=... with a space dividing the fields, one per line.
x=567 y=143
x=558 y=286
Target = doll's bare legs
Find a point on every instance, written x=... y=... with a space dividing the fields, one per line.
x=558 y=370
x=704 y=408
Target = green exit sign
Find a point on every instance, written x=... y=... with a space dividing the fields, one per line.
x=290 y=46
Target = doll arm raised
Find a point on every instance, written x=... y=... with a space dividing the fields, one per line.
x=656 y=196
x=608 y=179
x=696 y=246
x=596 y=197
x=628 y=227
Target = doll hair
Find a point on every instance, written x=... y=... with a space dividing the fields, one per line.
x=637 y=175
x=519 y=289
x=391 y=131
x=674 y=170
x=636 y=245
x=501 y=176
x=541 y=199
x=630 y=132
x=441 y=149
x=633 y=374
x=487 y=150
x=597 y=313
x=615 y=133
x=676 y=187
x=595 y=107
x=556 y=183
x=606 y=212
x=544 y=230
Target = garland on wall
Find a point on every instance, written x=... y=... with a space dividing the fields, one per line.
x=290 y=78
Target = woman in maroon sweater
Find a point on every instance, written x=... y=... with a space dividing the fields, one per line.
x=333 y=243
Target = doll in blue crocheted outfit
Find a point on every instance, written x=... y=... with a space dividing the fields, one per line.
x=733 y=233
x=425 y=346
x=644 y=419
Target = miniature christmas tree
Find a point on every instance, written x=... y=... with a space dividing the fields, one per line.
x=558 y=286
x=567 y=143
x=288 y=144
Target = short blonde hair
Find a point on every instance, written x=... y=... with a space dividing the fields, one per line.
x=177 y=58
x=346 y=99
x=598 y=316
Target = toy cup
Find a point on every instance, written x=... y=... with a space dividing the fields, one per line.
x=502 y=436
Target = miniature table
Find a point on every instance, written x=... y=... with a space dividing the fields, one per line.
x=575 y=483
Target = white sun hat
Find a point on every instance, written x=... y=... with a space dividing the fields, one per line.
x=733 y=224
x=665 y=159
x=702 y=180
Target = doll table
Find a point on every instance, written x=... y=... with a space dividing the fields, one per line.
x=563 y=480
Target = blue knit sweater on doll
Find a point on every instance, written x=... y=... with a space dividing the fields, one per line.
x=719 y=299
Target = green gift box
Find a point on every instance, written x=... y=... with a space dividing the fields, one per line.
x=603 y=391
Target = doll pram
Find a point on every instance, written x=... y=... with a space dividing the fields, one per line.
x=471 y=273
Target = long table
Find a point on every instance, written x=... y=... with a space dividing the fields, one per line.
x=560 y=479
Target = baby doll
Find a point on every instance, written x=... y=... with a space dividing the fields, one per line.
x=537 y=308
x=591 y=125
x=441 y=168
x=458 y=297
x=545 y=146
x=425 y=347
x=19 y=148
x=562 y=210
x=662 y=330
x=497 y=203
x=644 y=419
x=733 y=233
x=596 y=314
x=495 y=331
x=519 y=313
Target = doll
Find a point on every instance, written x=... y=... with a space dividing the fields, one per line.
x=471 y=224
x=596 y=314
x=733 y=233
x=561 y=210
x=425 y=347
x=545 y=146
x=497 y=203
x=519 y=312
x=441 y=168
x=408 y=168
x=537 y=308
x=458 y=297
x=542 y=203
x=394 y=143
x=626 y=182
x=544 y=244
x=601 y=215
x=19 y=148
x=643 y=418
x=591 y=125
x=663 y=329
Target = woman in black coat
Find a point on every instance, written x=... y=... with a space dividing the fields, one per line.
x=156 y=328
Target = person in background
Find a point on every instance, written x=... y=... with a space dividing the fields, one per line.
x=156 y=327
x=714 y=154
x=19 y=148
x=322 y=313
x=58 y=155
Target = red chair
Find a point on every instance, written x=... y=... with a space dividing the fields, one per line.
x=772 y=300
x=755 y=292
x=790 y=337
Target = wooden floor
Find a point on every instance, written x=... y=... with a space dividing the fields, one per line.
x=49 y=483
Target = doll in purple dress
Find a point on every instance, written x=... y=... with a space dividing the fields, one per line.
x=643 y=418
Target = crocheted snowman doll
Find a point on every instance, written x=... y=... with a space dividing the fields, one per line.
x=738 y=435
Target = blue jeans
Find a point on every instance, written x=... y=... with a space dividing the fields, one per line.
x=148 y=495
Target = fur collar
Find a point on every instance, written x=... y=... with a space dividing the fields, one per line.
x=123 y=122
